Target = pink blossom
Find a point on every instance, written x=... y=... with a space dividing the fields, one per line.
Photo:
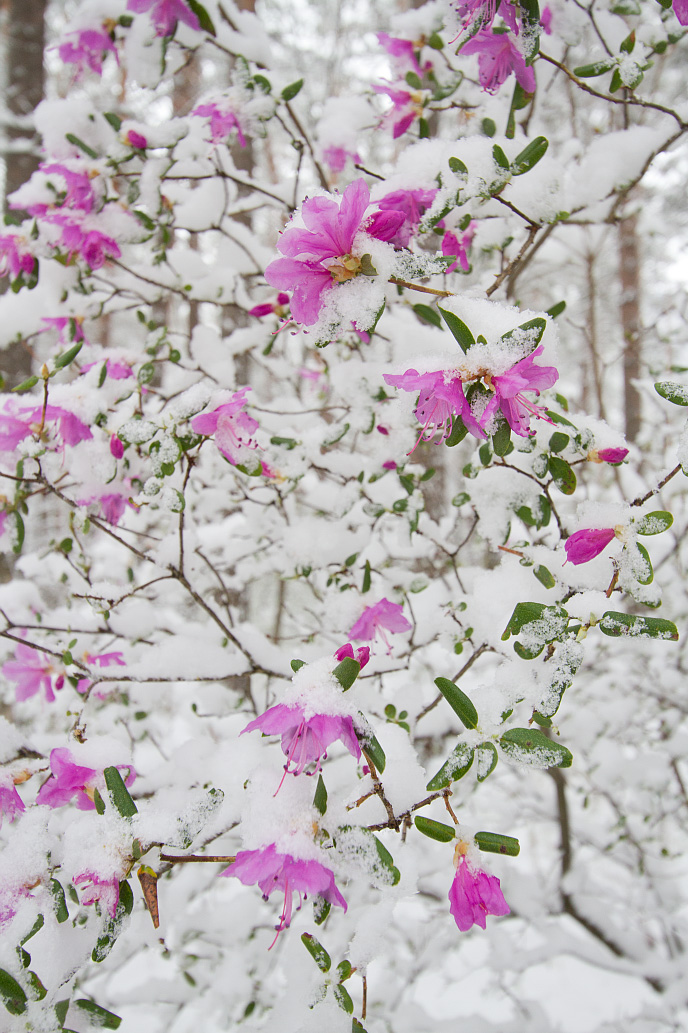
x=88 y=49
x=137 y=140
x=508 y=396
x=681 y=10
x=584 y=545
x=70 y=427
x=389 y=464
x=305 y=739
x=473 y=895
x=166 y=14
x=69 y=328
x=404 y=53
x=116 y=447
x=70 y=779
x=114 y=370
x=362 y=653
x=270 y=871
x=498 y=57
x=111 y=505
x=607 y=455
x=319 y=256
x=268 y=308
x=452 y=245
x=93 y=246
x=79 y=193
x=99 y=660
x=546 y=18
x=441 y=397
x=414 y=204
x=483 y=13
x=233 y=429
x=105 y=892
x=15 y=257
x=383 y=616
x=221 y=122
x=336 y=157
x=11 y=803
x=32 y=670
x=406 y=108
x=3 y=521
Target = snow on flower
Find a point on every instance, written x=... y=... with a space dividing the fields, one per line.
x=79 y=193
x=508 y=393
x=105 y=892
x=233 y=428
x=93 y=246
x=440 y=397
x=221 y=122
x=482 y=13
x=414 y=204
x=69 y=328
x=99 y=660
x=165 y=14
x=11 y=803
x=271 y=871
x=32 y=670
x=584 y=545
x=329 y=250
x=474 y=894
x=305 y=739
x=15 y=257
x=498 y=57
x=70 y=779
x=87 y=48
x=137 y=140
x=383 y=616
x=406 y=107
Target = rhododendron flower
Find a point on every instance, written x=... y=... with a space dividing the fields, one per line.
x=681 y=10
x=441 y=397
x=99 y=660
x=319 y=256
x=233 y=429
x=271 y=871
x=70 y=779
x=136 y=140
x=88 y=49
x=305 y=739
x=607 y=455
x=221 y=122
x=406 y=108
x=69 y=327
x=116 y=447
x=404 y=53
x=79 y=193
x=498 y=57
x=165 y=14
x=508 y=388
x=32 y=670
x=383 y=616
x=15 y=257
x=268 y=308
x=11 y=803
x=114 y=370
x=336 y=157
x=452 y=245
x=93 y=246
x=585 y=545
x=14 y=427
x=474 y=894
x=546 y=19
x=362 y=653
x=483 y=13
x=105 y=892
x=414 y=204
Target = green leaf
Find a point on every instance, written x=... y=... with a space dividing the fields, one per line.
x=496 y=843
x=387 y=862
x=428 y=315
x=99 y=802
x=113 y=926
x=500 y=157
x=100 y=1017
x=616 y=625
x=317 y=952
x=321 y=909
x=114 y=120
x=667 y=389
x=372 y=750
x=146 y=373
x=12 y=995
x=616 y=81
x=458 y=432
x=528 y=746
x=596 y=68
x=343 y=998
x=435 y=829
x=544 y=576
x=344 y=970
x=556 y=310
x=458 y=701
x=64 y=360
x=460 y=332
x=365 y=587
x=289 y=92
x=203 y=16
x=558 y=441
x=461 y=498
x=648 y=578
x=38 y=924
x=320 y=797
x=519 y=100
x=76 y=142
x=486 y=758
x=26 y=385
x=501 y=439
x=20 y=532
x=534 y=328
x=453 y=769
x=61 y=1009
x=413 y=80
x=529 y=156
x=144 y=219
x=287 y=443
x=119 y=794
x=457 y=166
x=489 y=127
x=562 y=475
x=627 y=45
x=347 y=672
x=654 y=523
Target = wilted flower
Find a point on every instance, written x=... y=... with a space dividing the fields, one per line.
x=271 y=871
x=165 y=14
x=584 y=545
x=498 y=57
x=474 y=894
x=383 y=616
x=32 y=670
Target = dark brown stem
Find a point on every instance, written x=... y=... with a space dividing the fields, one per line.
x=654 y=491
x=190 y=858
x=424 y=290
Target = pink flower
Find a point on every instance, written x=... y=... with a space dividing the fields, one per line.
x=406 y=108
x=508 y=388
x=268 y=308
x=681 y=10
x=70 y=427
x=498 y=58
x=88 y=49
x=383 y=616
x=69 y=328
x=91 y=245
x=166 y=14
x=319 y=256
x=15 y=257
x=70 y=779
x=362 y=653
x=546 y=19
x=451 y=245
x=79 y=193
x=270 y=871
x=441 y=397
x=473 y=895
x=414 y=204
x=607 y=455
x=112 y=505
x=221 y=122
x=105 y=892
x=137 y=140
x=336 y=157
x=583 y=546
x=233 y=429
x=483 y=12
x=305 y=739
x=99 y=660
x=11 y=803
x=116 y=447
x=32 y=670
x=404 y=53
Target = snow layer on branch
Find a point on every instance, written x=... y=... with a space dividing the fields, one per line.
x=610 y=162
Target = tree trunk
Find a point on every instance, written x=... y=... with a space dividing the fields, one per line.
x=629 y=273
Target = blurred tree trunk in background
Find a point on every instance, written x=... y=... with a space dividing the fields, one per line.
x=629 y=275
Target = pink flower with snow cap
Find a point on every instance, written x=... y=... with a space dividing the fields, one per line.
x=87 y=48
x=414 y=204
x=383 y=616
x=440 y=397
x=508 y=393
x=69 y=328
x=93 y=246
x=583 y=546
x=233 y=428
x=15 y=257
x=222 y=121
x=79 y=192
x=137 y=140
x=498 y=57
x=32 y=671
x=305 y=739
x=406 y=108
x=319 y=256
x=11 y=803
x=70 y=779
x=481 y=13
x=96 y=890
x=165 y=14
x=99 y=660
x=474 y=894
x=271 y=871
